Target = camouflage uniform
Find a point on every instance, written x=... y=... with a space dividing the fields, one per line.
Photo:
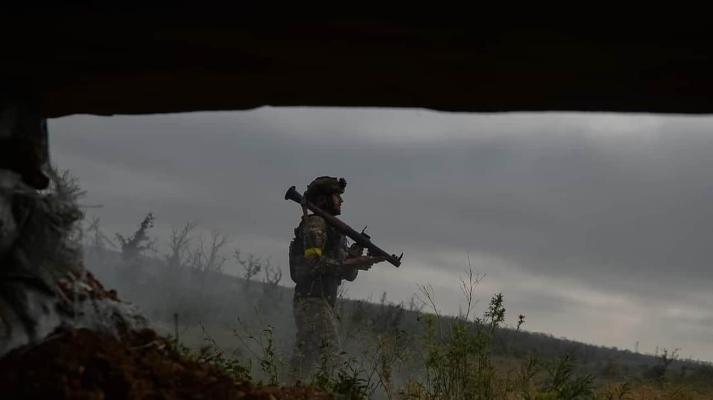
x=315 y=256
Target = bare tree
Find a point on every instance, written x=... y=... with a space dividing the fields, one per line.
x=96 y=239
x=206 y=258
x=273 y=276
x=195 y=259
x=180 y=240
x=659 y=371
x=271 y=293
x=252 y=265
x=413 y=306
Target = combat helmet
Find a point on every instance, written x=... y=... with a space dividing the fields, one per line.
x=325 y=186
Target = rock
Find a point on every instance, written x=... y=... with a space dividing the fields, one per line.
x=43 y=284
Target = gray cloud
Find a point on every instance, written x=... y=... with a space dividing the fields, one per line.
x=615 y=207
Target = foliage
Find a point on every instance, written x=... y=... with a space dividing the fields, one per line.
x=63 y=195
x=134 y=246
x=411 y=351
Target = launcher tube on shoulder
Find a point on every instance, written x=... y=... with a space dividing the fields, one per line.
x=361 y=239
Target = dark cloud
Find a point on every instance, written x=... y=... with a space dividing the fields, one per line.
x=617 y=205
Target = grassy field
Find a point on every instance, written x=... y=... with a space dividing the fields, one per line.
x=453 y=362
x=395 y=351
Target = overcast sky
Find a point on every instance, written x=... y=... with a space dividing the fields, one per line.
x=596 y=227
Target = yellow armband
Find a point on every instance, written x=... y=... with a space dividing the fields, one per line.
x=313 y=251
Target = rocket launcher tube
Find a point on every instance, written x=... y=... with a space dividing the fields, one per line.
x=362 y=239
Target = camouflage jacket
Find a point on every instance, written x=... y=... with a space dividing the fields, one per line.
x=316 y=253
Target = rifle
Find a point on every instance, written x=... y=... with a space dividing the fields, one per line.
x=362 y=238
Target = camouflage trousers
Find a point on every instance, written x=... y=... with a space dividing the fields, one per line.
x=317 y=345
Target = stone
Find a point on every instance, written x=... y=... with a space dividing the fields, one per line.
x=43 y=283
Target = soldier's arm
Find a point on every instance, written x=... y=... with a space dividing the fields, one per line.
x=350 y=272
x=315 y=240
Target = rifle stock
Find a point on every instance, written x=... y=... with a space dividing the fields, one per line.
x=362 y=240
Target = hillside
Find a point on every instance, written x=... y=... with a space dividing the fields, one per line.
x=219 y=306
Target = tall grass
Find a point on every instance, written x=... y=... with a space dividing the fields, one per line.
x=451 y=358
x=413 y=352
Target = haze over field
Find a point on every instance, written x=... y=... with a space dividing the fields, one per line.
x=594 y=226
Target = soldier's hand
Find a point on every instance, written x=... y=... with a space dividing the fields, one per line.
x=362 y=262
x=368 y=261
x=377 y=259
x=355 y=250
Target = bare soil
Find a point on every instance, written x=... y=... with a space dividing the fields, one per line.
x=83 y=364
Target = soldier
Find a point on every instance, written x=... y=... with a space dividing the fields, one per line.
x=319 y=261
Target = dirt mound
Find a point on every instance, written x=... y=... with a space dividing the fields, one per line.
x=83 y=364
